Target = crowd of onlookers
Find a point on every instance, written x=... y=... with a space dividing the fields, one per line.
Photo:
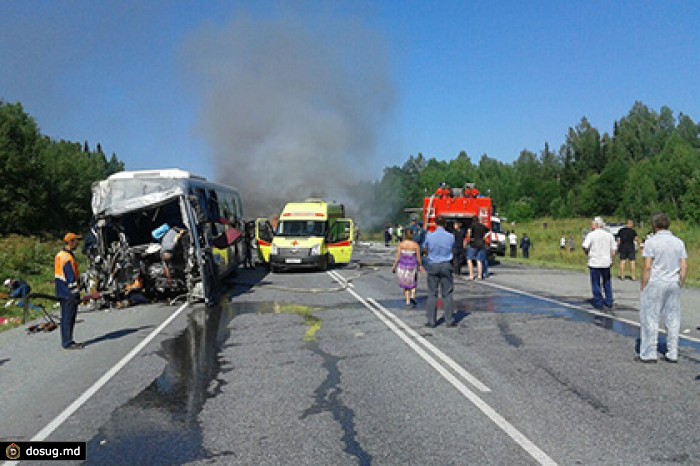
x=443 y=252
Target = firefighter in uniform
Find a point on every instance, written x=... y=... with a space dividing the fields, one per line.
x=67 y=290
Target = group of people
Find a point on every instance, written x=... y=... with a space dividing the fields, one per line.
x=664 y=274
x=525 y=244
x=566 y=243
x=396 y=233
x=441 y=254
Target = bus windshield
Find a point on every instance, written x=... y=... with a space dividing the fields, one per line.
x=301 y=228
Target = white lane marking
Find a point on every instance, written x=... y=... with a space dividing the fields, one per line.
x=433 y=349
x=533 y=450
x=73 y=407
x=578 y=308
x=340 y=279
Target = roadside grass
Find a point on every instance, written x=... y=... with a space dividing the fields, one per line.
x=29 y=258
x=545 y=234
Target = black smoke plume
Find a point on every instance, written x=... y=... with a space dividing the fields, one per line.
x=293 y=109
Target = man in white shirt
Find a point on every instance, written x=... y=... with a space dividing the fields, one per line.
x=513 y=241
x=600 y=246
x=664 y=274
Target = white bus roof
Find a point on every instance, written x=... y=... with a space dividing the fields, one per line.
x=166 y=173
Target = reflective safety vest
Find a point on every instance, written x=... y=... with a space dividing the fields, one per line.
x=66 y=273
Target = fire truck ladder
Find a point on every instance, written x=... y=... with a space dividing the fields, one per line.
x=430 y=214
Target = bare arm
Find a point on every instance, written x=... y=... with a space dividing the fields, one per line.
x=418 y=256
x=613 y=249
x=684 y=272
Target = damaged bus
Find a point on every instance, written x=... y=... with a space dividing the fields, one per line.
x=162 y=234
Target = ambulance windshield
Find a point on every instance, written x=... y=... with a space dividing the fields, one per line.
x=301 y=228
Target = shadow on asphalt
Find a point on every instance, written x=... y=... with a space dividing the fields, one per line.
x=116 y=334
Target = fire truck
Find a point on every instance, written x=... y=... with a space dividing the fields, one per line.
x=463 y=205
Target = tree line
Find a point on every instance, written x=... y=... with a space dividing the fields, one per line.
x=45 y=185
x=650 y=162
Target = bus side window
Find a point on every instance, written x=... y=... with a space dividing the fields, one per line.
x=235 y=206
x=213 y=206
x=201 y=204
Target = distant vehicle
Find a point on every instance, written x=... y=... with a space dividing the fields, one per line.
x=463 y=205
x=614 y=228
x=167 y=232
x=498 y=238
x=313 y=233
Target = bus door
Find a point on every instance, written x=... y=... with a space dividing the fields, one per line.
x=340 y=240
x=263 y=238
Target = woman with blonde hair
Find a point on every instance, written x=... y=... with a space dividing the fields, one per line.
x=406 y=266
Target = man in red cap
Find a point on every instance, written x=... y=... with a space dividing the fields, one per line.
x=67 y=290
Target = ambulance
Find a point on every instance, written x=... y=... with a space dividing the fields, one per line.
x=313 y=234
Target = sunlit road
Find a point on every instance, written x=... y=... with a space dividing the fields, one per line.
x=330 y=368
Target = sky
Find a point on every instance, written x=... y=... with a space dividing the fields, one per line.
x=295 y=94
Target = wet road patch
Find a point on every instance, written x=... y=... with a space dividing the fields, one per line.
x=160 y=425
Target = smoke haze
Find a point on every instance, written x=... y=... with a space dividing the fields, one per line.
x=292 y=111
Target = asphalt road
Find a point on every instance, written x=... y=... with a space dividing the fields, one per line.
x=307 y=367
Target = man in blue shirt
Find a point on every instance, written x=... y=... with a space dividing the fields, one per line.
x=439 y=245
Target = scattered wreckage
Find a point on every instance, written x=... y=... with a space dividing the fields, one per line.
x=163 y=234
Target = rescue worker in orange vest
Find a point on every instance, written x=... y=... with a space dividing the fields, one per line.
x=443 y=192
x=67 y=290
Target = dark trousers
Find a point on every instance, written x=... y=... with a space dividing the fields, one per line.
x=484 y=258
x=69 y=311
x=458 y=261
x=439 y=276
x=598 y=275
x=526 y=253
x=513 y=250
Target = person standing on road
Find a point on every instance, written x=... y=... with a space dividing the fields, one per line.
x=525 y=244
x=439 y=267
x=513 y=242
x=458 y=252
x=626 y=246
x=663 y=276
x=419 y=237
x=413 y=226
x=67 y=291
x=406 y=266
x=600 y=246
x=476 y=237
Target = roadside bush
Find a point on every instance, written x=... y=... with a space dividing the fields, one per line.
x=29 y=258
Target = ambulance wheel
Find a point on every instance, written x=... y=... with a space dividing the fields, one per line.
x=324 y=263
x=273 y=268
